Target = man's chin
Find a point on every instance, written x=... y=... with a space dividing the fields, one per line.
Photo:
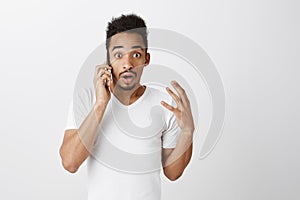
x=125 y=87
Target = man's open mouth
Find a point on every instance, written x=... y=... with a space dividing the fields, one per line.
x=127 y=78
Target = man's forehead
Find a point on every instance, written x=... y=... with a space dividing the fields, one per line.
x=127 y=40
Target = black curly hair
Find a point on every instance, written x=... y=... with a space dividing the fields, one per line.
x=130 y=23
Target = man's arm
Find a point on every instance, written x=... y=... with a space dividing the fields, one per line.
x=175 y=160
x=77 y=143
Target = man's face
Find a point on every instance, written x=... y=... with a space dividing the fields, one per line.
x=127 y=58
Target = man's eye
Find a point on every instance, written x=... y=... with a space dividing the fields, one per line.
x=136 y=55
x=118 y=55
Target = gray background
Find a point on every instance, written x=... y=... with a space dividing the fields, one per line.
x=254 y=44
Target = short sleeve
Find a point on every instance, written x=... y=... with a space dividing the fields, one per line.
x=79 y=108
x=171 y=134
x=70 y=119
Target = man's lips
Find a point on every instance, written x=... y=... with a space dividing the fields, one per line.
x=127 y=77
x=127 y=74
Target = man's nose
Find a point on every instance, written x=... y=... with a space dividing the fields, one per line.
x=127 y=62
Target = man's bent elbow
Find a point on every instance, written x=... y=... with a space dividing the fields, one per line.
x=171 y=176
x=69 y=166
x=68 y=163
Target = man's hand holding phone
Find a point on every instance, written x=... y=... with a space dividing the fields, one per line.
x=103 y=84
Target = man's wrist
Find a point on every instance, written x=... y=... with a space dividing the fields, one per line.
x=99 y=109
x=100 y=105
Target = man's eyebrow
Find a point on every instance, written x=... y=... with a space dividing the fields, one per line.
x=137 y=47
x=133 y=47
x=117 y=47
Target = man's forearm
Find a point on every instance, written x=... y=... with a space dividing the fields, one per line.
x=78 y=143
x=177 y=161
x=87 y=132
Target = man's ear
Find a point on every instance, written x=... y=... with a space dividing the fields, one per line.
x=147 y=61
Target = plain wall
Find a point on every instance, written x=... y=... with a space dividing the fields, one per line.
x=254 y=44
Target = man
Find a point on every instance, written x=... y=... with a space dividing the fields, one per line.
x=123 y=160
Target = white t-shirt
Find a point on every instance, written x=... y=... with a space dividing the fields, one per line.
x=125 y=162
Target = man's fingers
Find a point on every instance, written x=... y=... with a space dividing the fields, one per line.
x=102 y=80
x=167 y=106
x=178 y=88
x=104 y=72
x=111 y=85
x=98 y=68
x=105 y=77
x=181 y=92
x=101 y=70
x=174 y=96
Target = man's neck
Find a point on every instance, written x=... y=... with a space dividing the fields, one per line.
x=129 y=97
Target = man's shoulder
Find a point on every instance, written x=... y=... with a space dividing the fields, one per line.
x=159 y=92
x=84 y=95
